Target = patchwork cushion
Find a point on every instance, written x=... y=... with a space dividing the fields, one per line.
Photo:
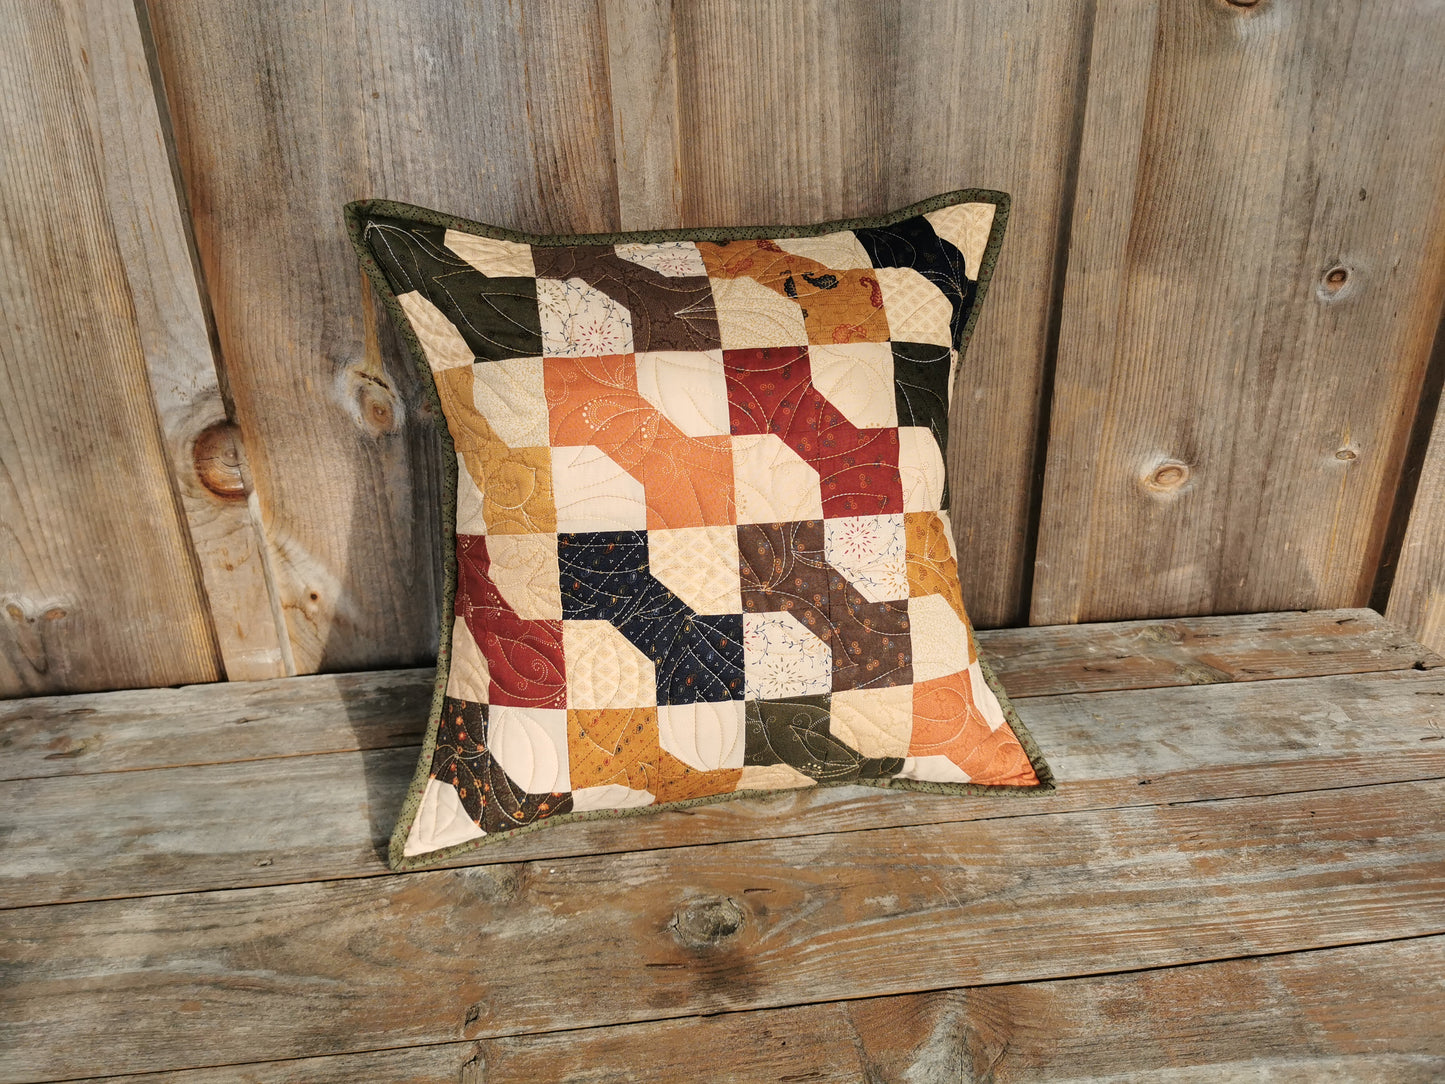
x=697 y=526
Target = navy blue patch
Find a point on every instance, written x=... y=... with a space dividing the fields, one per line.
x=605 y=577
x=913 y=243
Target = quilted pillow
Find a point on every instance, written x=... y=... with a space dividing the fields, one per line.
x=696 y=522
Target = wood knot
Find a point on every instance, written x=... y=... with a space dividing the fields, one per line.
x=370 y=400
x=216 y=456
x=1347 y=455
x=30 y=618
x=377 y=409
x=1335 y=283
x=1168 y=477
x=707 y=922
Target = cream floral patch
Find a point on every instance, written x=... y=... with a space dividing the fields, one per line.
x=580 y=321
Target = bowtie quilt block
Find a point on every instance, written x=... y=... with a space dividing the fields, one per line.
x=700 y=544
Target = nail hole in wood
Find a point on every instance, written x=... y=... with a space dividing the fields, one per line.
x=1347 y=454
x=1242 y=3
x=216 y=456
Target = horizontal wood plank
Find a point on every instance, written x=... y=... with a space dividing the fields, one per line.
x=1363 y=1012
x=303 y=818
x=206 y=724
x=482 y=952
x=1199 y=651
x=48 y=736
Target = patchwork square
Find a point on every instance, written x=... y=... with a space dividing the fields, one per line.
x=699 y=515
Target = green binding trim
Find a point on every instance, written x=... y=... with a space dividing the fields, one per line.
x=356 y=214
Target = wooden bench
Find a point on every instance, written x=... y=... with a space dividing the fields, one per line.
x=1243 y=868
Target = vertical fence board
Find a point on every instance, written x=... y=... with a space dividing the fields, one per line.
x=1417 y=596
x=642 y=79
x=805 y=111
x=97 y=585
x=992 y=98
x=206 y=457
x=1241 y=349
x=282 y=113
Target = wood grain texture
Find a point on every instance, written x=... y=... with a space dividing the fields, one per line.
x=151 y=234
x=1199 y=651
x=1255 y=276
x=488 y=951
x=1417 y=597
x=303 y=818
x=125 y=731
x=994 y=99
x=130 y=730
x=642 y=86
x=801 y=112
x=1367 y=1013
x=281 y=115
x=207 y=724
x=98 y=588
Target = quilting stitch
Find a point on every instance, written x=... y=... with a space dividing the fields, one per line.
x=713 y=469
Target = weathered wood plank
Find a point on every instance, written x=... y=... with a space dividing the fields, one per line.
x=206 y=458
x=1367 y=1012
x=994 y=99
x=204 y=725
x=1417 y=597
x=1199 y=651
x=805 y=111
x=642 y=80
x=1255 y=277
x=338 y=966
x=303 y=818
x=98 y=588
x=281 y=115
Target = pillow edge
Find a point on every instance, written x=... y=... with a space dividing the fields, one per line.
x=356 y=214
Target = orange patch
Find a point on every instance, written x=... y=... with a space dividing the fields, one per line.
x=677 y=782
x=613 y=746
x=516 y=483
x=947 y=723
x=849 y=312
x=931 y=567
x=736 y=259
x=838 y=306
x=595 y=401
x=687 y=481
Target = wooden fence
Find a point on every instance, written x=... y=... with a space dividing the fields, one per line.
x=1203 y=382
